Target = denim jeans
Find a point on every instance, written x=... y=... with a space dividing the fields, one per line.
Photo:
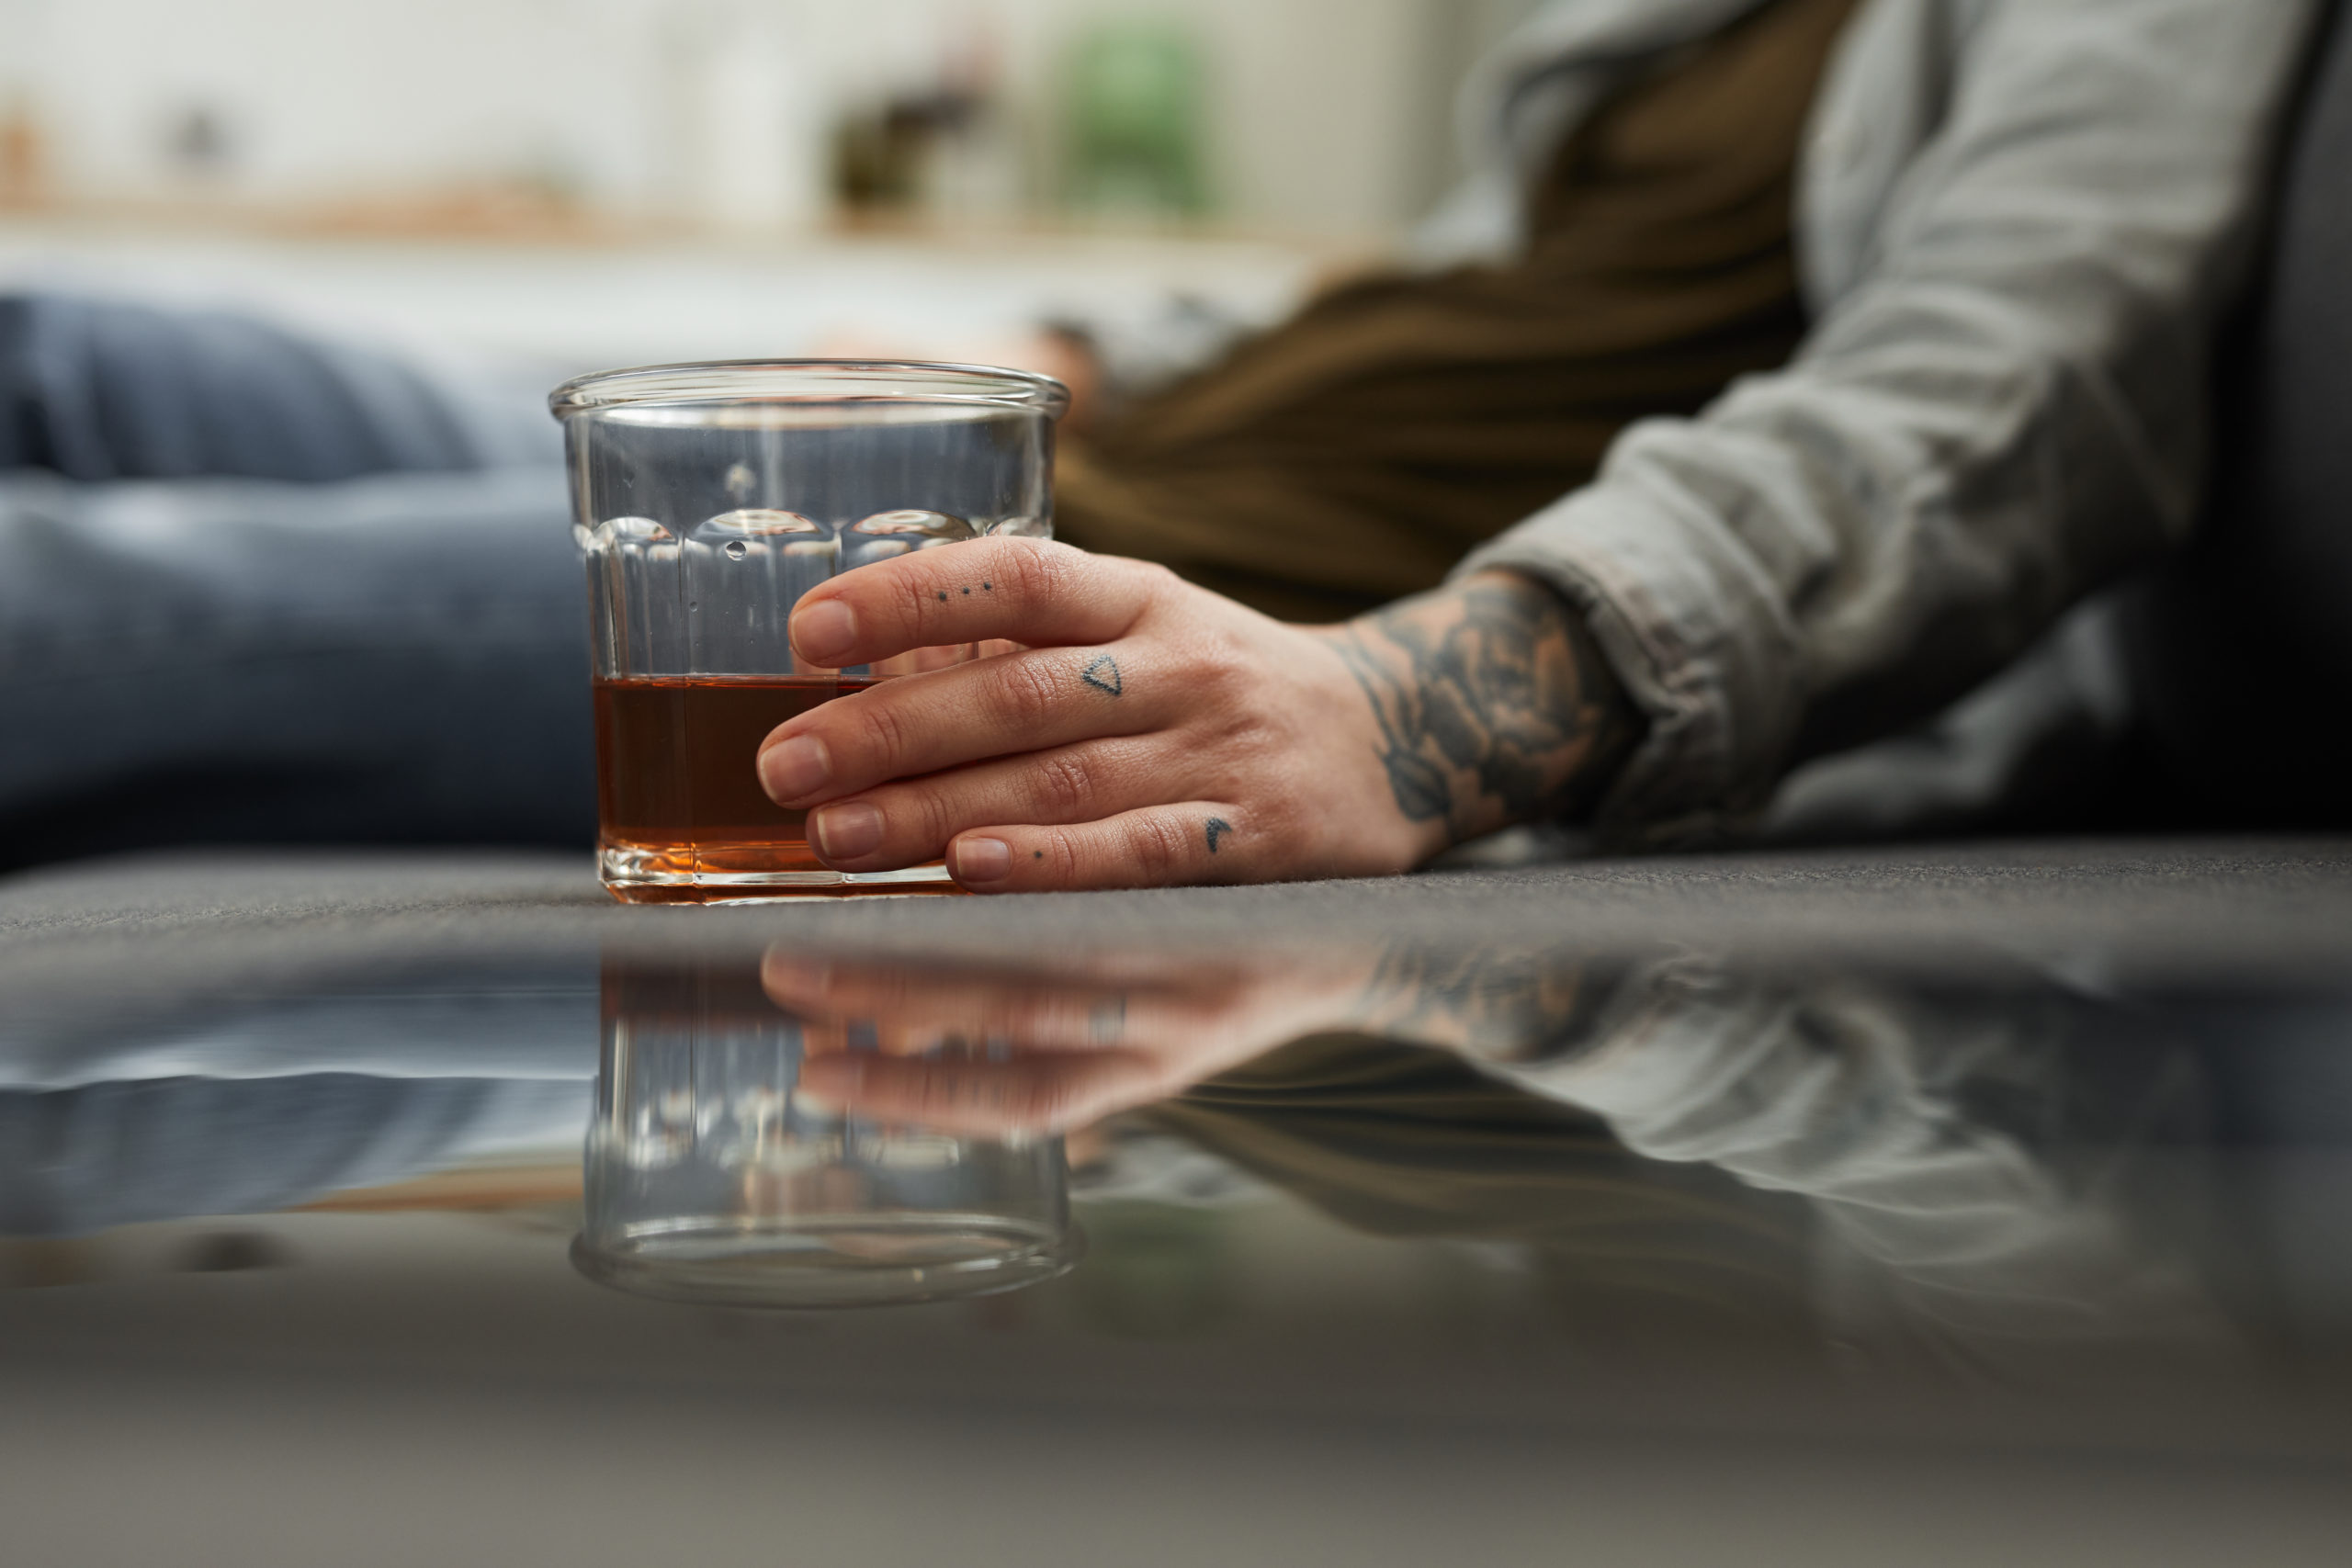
x=257 y=588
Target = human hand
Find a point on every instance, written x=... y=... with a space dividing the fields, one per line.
x=1148 y=733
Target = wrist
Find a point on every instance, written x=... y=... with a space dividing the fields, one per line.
x=1491 y=704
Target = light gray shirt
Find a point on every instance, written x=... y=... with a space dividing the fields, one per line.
x=2019 y=224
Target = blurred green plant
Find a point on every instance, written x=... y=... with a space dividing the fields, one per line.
x=1137 y=118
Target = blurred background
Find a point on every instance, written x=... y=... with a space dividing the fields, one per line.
x=599 y=181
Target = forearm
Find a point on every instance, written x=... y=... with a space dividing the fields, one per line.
x=2000 y=409
x=1492 y=705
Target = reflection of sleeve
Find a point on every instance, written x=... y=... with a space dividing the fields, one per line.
x=2006 y=411
x=1858 y=1100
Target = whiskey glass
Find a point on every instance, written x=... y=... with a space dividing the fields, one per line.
x=706 y=499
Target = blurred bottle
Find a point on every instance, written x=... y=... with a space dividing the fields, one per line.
x=946 y=149
x=747 y=126
x=1135 y=121
x=24 y=154
x=199 y=150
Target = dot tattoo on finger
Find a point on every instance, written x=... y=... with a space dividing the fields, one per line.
x=1217 y=827
x=1103 y=676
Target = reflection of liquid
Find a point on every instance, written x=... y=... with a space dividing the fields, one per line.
x=681 y=815
x=709 y=1178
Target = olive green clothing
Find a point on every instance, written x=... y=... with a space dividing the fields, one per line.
x=1355 y=453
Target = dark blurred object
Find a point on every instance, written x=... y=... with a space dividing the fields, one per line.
x=2244 y=643
x=882 y=152
x=1137 y=118
x=200 y=143
x=945 y=149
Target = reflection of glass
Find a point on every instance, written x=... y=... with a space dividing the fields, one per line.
x=708 y=499
x=711 y=1177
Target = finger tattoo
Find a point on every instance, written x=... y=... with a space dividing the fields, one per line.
x=1216 y=827
x=1103 y=676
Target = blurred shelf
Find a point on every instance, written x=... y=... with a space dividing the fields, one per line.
x=577 y=294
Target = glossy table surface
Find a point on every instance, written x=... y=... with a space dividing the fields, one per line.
x=1938 y=1205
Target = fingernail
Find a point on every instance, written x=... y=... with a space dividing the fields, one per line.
x=980 y=860
x=822 y=631
x=845 y=832
x=797 y=767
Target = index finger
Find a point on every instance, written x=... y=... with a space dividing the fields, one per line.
x=1030 y=590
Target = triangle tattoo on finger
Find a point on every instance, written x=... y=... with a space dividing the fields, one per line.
x=1104 y=675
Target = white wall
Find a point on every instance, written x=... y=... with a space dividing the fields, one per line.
x=1328 y=114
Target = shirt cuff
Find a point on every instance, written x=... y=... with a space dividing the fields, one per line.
x=1699 y=636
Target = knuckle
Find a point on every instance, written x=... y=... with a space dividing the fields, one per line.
x=1158 y=845
x=1154 y=578
x=881 y=733
x=911 y=590
x=1153 y=585
x=1061 y=854
x=916 y=820
x=1228 y=658
x=1036 y=574
x=1029 y=690
x=1064 y=784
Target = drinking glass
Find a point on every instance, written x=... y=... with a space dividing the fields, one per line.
x=706 y=499
x=709 y=1178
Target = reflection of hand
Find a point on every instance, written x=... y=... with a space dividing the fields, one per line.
x=1149 y=733
x=996 y=1053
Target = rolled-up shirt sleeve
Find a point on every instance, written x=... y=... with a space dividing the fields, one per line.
x=2007 y=408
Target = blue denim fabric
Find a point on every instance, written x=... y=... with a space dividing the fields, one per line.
x=103 y=389
x=258 y=589
x=83 y=1159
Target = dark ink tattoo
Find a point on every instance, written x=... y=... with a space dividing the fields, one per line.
x=1036 y=854
x=942 y=596
x=1493 y=702
x=1218 y=825
x=987 y=587
x=1103 y=676
x=967 y=594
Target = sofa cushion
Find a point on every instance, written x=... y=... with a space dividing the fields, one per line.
x=2243 y=646
x=2295 y=454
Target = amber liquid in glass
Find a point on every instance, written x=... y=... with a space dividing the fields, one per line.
x=677 y=785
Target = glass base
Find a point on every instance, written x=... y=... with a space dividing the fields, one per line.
x=846 y=1260
x=637 y=876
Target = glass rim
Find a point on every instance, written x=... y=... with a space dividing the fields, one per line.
x=810 y=381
